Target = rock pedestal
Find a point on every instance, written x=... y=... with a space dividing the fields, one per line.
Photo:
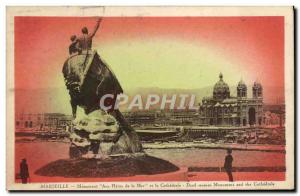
x=114 y=166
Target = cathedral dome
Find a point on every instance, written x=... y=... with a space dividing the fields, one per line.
x=241 y=89
x=242 y=85
x=257 y=85
x=257 y=90
x=221 y=89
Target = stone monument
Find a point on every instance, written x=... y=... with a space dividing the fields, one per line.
x=88 y=78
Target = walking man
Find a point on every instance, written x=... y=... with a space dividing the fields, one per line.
x=24 y=173
x=228 y=164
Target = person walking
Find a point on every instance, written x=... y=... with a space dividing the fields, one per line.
x=228 y=164
x=24 y=173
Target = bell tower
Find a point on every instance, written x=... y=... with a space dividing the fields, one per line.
x=241 y=89
x=257 y=90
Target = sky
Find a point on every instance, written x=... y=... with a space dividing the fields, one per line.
x=164 y=52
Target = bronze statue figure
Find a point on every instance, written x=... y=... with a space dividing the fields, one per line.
x=88 y=78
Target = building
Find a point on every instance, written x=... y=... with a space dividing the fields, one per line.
x=222 y=109
x=140 y=117
x=42 y=121
x=161 y=117
x=182 y=117
x=274 y=115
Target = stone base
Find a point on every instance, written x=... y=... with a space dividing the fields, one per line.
x=114 y=166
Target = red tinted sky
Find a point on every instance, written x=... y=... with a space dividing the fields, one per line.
x=256 y=43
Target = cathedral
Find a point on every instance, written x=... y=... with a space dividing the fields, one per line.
x=222 y=109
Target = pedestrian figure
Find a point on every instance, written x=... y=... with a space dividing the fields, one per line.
x=24 y=173
x=228 y=164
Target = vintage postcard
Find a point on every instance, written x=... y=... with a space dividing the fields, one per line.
x=150 y=98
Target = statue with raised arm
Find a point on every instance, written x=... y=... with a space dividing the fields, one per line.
x=88 y=78
x=86 y=39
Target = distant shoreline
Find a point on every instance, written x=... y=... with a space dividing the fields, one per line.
x=185 y=145
x=242 y=147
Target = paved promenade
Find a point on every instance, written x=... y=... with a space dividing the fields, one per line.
x=256 y=147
